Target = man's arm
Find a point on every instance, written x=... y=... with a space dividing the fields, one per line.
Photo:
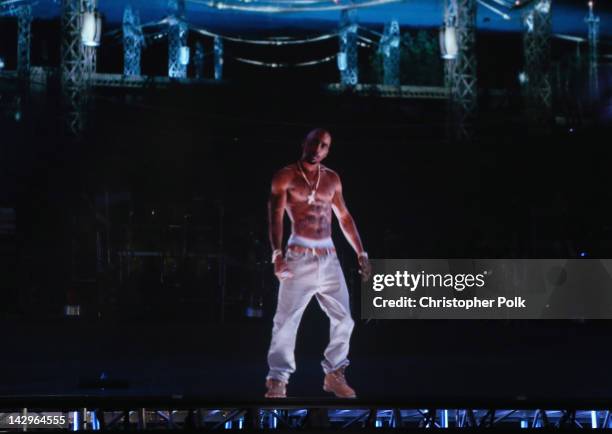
x=276 y=210
x=349 y=229
x=276 y=213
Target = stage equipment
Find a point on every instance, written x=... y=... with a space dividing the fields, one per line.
x=593 y=24
x=460 y=71
x=292 y=6
x=390 y=49
x=276 y=41
x=24 y=29
x=177 y=39
x=347 y=57
x=536 y=44
x=285 y=65
x=502 y=14
x=22 y=9
x=218 y=49
x=91 y=29
x=178 y=412
x=78 y=62
x=184 y=55
x=448 y=42
x=133 y=41
x=199 y=60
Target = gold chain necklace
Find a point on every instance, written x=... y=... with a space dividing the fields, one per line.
x=311 y=196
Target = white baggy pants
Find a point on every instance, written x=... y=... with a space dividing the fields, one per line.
x=322 y=277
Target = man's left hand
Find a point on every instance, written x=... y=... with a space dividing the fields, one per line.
x=365 y=268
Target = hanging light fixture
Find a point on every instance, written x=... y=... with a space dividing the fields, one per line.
x=91 y=29
x=342 y=61
x=448 y=42
x=184 y=55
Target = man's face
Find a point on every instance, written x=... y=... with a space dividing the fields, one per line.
x=316 y=148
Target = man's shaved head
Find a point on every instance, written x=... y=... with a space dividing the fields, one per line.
x=315 y=146
x=316 y=134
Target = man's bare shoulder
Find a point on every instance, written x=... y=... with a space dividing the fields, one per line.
x=331 y=173
x=284 y=175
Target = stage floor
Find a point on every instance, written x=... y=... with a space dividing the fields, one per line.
x=389 y=359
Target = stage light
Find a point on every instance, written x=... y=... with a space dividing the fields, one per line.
x=444 y=419
x=72 y=310
x=583 y=254
x=448 y=42
x=341 y=59
x=543 y=6
x=254 y=312
x=1 y=63
x=91 y=29
x=594 y=415
x=184 y=55
x=95 y=423
x=522 y=78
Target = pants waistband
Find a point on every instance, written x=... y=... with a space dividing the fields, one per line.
x=315 y=251
x=298 y=240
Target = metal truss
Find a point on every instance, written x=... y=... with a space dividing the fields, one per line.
x=177 y=39
x=198 y=60
x=218 y=49
x=593 y=24
x=22 y=9
x=347 y=57
x=78 y=63
x=460 y=73
x=536 y=45
x=133 y=40
x=404 y=91
x=390 y=49
x=291 y=6
x=24 y=32
x=107 y=414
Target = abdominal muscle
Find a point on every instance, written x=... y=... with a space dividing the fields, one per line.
x=310 y=221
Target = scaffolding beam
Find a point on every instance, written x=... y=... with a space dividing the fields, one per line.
x=218 y=49
x=72 y=65
x=536 y=45
x=78 y=64
x=199 y=60
x=177 y=40
x=460 y=72
x=133 y=40
x=24 y=32
x=347 y=57
x=390 y=49
x=593 y=26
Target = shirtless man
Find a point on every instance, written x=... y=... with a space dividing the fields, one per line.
x=309 y=191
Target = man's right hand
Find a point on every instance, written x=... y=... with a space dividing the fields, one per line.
x=281 y=269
